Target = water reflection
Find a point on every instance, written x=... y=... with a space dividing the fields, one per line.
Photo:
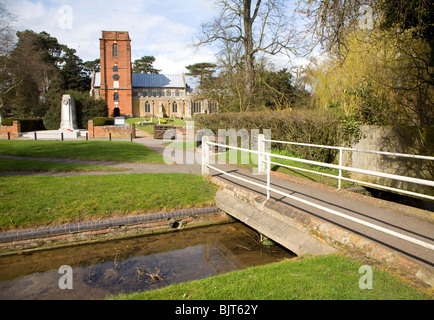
x=136 y=264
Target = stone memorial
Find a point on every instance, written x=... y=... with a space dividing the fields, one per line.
x=68 y=116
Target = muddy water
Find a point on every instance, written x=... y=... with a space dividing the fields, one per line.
x=137 y=264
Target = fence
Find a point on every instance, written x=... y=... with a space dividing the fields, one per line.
x=264 y=167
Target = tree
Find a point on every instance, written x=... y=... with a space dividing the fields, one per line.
x=33 y=63
x=203 y=70
x=39 y=66
x=145 y=65
x=7 y=80
x=73 y=72
x=261 y=26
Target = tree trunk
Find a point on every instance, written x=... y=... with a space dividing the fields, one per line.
x=248 y=47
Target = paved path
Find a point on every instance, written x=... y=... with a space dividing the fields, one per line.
x=414 y=223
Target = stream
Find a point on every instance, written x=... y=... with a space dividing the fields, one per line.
x=149 y=262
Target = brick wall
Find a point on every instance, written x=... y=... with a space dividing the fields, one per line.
x=124 y=131
x=12 y=130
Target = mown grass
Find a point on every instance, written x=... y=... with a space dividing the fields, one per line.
x=331 y=277
x=11 y=165
x=83 y=150
x=32 y=201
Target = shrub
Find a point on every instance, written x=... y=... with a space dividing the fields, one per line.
x=304 y=126
x=103 y=121
x=27 y=124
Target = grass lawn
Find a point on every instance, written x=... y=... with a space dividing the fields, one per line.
x=34 y=201
x=331 y=277
x=83 y=150
x=10 y=165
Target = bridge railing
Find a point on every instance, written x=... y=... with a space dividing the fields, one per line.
x=264 y=167
x=340 y=167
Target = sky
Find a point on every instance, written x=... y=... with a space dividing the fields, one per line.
x=164 y=29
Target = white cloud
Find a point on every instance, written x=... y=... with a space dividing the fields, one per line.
x=163 y=29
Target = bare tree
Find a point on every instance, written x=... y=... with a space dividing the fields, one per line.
x=7 y=81
x=261 y=26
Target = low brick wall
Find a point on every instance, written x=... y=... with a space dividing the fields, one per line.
x=12 y=242
x=124 y=131
x=10 y=131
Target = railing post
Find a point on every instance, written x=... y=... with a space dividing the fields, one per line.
x=268 y=176
x=261 y=156
x=340 y=169
x=205 y=155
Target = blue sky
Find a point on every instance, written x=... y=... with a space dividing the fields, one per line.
x=164 y=29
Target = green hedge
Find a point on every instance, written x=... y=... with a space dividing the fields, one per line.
x=27 y=124
x=305 y=126
x=103 y=121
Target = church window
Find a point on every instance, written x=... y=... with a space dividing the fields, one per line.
x=115 y=50
x=177 y=94
x=168 y=93
x=197 y=107
x=116 y=96
x=174 y=107
x=147 y=107
x=115 y=69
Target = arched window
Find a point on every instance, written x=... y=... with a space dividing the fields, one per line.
x=115 y=69
x=115 y=50
x=174 y=107
x=116 y=96
x=168 y=93
x=147 y=107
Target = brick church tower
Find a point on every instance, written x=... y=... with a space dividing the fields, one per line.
x=116 y=79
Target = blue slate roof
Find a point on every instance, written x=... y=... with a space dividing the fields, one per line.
x=144 y=80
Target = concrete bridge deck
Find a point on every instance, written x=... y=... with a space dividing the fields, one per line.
x=337 y=231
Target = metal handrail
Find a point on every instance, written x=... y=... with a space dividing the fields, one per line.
x=205 y=158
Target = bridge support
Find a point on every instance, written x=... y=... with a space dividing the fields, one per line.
x=273 y=226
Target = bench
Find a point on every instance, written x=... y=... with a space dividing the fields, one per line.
x=160 y=130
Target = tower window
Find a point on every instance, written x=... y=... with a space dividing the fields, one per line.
x=115 y=69
x=116 y=97
x=115 y=50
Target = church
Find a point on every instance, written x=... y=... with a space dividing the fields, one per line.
x=138 y=94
